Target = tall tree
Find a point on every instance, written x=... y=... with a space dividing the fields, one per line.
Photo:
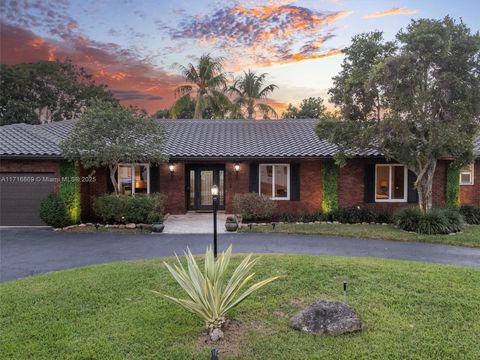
x=46 y=91
x=310 y=108
x=249 y=90
x=206 y=81
x=416 y=101
x=108 y=134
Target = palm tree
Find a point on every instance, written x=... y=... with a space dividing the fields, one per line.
x=249 y=89
x=207 y=80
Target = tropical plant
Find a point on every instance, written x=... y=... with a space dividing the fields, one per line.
x=211 y=294
x=249 y=90
x=207 y=81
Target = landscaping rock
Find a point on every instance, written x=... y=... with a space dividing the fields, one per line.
x=114 y=226
x=82 y=225
x=130 y=226
x=121 y=226
x=216 y=335
x=325 y=317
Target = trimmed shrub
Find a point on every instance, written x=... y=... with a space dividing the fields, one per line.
x=434 y=222
x=53 y=211
x=471 y=214
x=353 y=215
x=253 y=206
x=122 y=209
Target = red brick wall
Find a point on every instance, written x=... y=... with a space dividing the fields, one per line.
x=235 y=183
x=90 y=190
x=310 y=190
x=470 y=194
x=351 y=185
x=174 y=188
x=40 y=166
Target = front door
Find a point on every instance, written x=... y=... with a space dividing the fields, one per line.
x=199 y=189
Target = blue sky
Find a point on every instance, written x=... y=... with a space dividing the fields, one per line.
x=133 y=45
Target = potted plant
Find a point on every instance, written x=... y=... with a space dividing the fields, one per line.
x=157 y=222
x=231 y=224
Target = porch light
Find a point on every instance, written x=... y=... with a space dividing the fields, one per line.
x=214 y=190
x=237 y=167
x=171 y=167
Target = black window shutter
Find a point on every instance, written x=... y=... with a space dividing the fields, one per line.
x=253 y=183
x=154 y=178
x=412 y=196
x=369 y=183
x=295 y=181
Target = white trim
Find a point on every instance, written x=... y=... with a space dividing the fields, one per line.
x=471 y=172
x=390 y=174
x=273 y=180
x=132 y=168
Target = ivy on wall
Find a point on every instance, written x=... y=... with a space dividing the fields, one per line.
x=70 y=189
x=452 y=197
x=329 y=190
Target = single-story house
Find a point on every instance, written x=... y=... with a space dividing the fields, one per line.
x=283 y=159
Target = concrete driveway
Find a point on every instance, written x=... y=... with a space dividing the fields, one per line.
x=30 y=252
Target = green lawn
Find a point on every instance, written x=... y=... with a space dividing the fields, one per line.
x=470 y=236
x=410 y=310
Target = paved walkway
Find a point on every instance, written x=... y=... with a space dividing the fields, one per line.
x=30 y=252
x=194 y=223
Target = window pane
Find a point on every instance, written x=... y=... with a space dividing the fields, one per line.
x=398 y=186
x=266 y=180
x=141 y=179
x=383 y=182
x=465 y=178
x=192 y=188
x=281 y=181
x=125 y=179
x=206 y=179
x=221 y=191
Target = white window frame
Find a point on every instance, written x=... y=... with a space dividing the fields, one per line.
x=471 y=172
x=132 y=166
x=273 y=180
x=390 y=175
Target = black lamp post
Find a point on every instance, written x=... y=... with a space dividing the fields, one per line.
x=215 y=208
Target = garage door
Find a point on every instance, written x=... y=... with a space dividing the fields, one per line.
x=20 y=197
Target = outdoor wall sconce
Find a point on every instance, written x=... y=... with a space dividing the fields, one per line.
x=236 y=167
x=171 y=167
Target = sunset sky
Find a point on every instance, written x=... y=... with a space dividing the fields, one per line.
x=132 y=45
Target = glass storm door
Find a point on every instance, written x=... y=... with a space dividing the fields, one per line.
x=201 y=179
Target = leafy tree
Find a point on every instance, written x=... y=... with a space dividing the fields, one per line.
x=416 y=100
x=184 y=108
x=162 y=114
x=310 y=108
x=46 y=91
x=249 y=89
x=206 y=81
x=108 y=134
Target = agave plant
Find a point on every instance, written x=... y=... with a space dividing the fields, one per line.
x=210 y=294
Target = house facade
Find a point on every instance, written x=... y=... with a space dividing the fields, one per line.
x=282 y=159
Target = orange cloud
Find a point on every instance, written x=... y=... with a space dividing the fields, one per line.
x=132 y=81
x=392 y=11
